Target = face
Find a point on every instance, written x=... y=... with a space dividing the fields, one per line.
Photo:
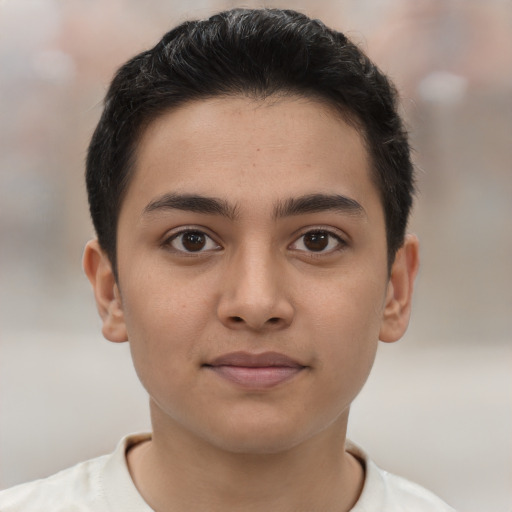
x=253 y=280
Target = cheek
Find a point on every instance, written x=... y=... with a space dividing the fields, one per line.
x=347 y=318
x=350 y=305
x=164 y=318
x=158 y=299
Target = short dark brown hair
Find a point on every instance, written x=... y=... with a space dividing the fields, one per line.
x=255 y=53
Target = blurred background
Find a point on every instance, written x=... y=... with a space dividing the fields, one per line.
x=438 y=407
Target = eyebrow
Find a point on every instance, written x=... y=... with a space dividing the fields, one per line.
x=192 y=203
x=314 y=203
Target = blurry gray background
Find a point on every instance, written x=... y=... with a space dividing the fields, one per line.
x=438 y=407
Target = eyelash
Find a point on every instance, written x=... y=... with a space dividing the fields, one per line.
x=331 y=236
x=168 y=242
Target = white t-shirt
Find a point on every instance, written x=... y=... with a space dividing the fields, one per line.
x=104 y=484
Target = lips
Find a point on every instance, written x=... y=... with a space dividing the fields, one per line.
x=255 y=371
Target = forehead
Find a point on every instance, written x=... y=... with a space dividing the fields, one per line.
x=246 y=149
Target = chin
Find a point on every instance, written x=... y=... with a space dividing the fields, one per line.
x=263 y=437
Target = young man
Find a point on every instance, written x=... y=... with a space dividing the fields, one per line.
x=250 y=183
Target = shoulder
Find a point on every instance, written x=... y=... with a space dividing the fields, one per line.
x=76 y=485
x=386 y=492
x=98 y=485
x=411 y=496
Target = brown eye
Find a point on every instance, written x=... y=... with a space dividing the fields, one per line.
x=319 y=241
x=316 y=240
x=192 y=241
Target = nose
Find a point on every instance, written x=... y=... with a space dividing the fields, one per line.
x=254 y=294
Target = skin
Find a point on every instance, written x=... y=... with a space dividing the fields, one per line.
x=309 y=283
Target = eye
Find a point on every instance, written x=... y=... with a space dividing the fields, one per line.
x=319 y=241
x=192 y=241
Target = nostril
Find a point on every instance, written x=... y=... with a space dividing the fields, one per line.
x=238 y=320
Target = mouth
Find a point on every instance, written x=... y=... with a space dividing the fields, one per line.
x=255 y=371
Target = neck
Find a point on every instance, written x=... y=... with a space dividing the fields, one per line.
x=178 y=471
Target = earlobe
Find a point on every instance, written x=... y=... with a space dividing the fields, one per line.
x=99 y=271
x=397 y=307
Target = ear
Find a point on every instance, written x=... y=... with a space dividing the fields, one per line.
x=397 y=307
x=98 y=269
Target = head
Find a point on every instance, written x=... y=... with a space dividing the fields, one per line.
x=250 y=185
x=256 y=54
